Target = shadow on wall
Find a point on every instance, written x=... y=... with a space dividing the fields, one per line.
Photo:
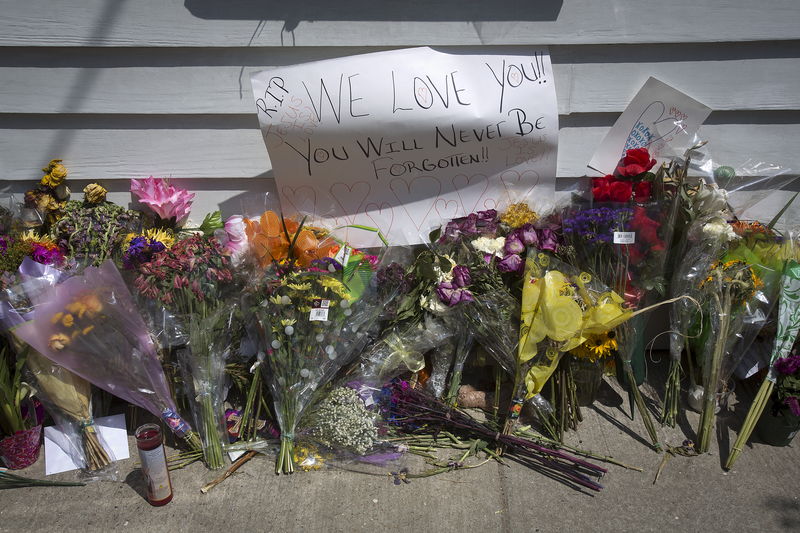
x=292 y=13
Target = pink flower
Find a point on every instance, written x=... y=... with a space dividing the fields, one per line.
x=166 y=201
x=233 y=237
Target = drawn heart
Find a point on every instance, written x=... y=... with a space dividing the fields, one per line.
x=423 y=95
x=447 y=209
x=519 y=186
x=381 y=216
x=653 y=114
x=349 y=198
x=302 y=199
x=419 y=194
x=490 y=203
x=470 y=188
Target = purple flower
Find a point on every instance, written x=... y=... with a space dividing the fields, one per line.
x=527 y=233
x=793 y=404
x=510 y=263
x=548 y=240
x=46 y=256
x=490 y=215
x=451 y=295
x=461 y=276
x=3 y=244
x=788 y=365
x=514 y=244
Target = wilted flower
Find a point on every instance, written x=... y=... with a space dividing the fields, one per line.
x=461 y=276
x=94 y=193
x=511 y=263
x=718 y=228
x=451 y=294
x=166 y=201
x=55 y=174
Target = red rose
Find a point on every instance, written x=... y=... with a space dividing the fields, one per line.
x=642 y=191
x=634 y=255
x=636 y=161
x=600 y=188
x=620 y=191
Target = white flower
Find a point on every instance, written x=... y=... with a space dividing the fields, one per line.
x=710 y=199
x=433 y=304
x=718 y=228
x=490 y=246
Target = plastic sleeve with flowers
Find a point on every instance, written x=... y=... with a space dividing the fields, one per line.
x=313 y=323
x=345 y=427
x=562 y=308
x=90 y=325
x=202 y=365
x=729 y=290
x=66 y=396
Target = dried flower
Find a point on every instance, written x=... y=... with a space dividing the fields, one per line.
x=94 y=193
x=55 y=174
x=518 y=215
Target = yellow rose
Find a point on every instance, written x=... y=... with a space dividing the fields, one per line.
x=55 y=174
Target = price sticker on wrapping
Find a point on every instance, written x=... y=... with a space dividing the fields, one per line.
x=319 y=310
x=624 y=237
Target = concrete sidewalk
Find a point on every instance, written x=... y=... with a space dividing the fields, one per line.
x=692 y=494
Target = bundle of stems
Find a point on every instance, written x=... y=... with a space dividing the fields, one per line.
x=414 y=408
x=13 y=481
x=70 y=395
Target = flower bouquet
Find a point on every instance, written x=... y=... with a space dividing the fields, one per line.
x=66 y=396
x=190 y=281
x=318 y=301
x=485 y=251
x=562 y=308
x=20 y=427
x=90 y=325
x=783 y=366
x=624 y=243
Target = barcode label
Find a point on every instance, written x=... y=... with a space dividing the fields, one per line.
x=319 y=310
x=624 y=237
x=318 y=314
x=343 y=255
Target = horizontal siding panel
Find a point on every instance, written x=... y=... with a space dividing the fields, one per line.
x=389 y=22
x=240 y=153
x=582 y=87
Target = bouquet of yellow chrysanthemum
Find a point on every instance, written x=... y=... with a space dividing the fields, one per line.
x=315 y=310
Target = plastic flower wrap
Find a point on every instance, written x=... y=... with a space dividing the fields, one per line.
x=315 y=311
x=171 y=204
x=189 y=283
x=66 y=396
x=485 y=252
x=90 y=325
x=562 y=308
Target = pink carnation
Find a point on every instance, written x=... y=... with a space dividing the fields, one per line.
x=166 y=201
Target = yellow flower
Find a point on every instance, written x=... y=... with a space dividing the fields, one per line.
x=299 y=286
x=518 y=215
x=56 y=317
x=59 y=341
x=87 y=330
x=335 y=285
x=55 y=173
x=288 y=322
x=308 y=458
x=94 y=193
x=33 y=236
x=68 y=320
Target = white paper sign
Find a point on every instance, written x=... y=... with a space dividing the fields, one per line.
x=624 y=237
x=112 y=431
x=659 y=117
x=406 y=139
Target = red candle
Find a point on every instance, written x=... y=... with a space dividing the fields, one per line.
x=154 y=464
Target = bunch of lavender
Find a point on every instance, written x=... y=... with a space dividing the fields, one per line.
x=342 y=421
x=92 y=233
x=590 y=236
x=415 y=410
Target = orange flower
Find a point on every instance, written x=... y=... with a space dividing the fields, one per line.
x=268 y=240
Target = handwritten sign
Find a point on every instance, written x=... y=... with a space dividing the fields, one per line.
x=406 y=139
x=659 y=118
